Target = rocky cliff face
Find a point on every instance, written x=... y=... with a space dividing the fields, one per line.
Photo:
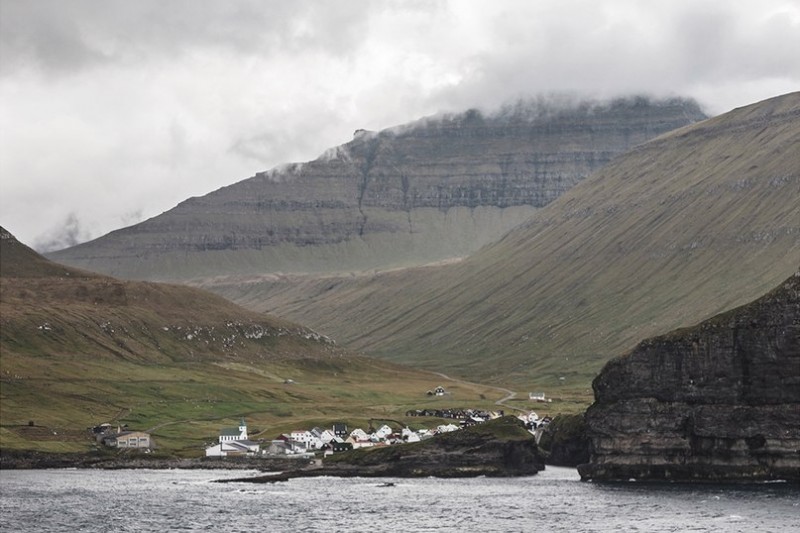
x=720 y=401
x=431 y=190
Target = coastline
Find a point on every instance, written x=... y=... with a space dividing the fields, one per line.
x=34 y=460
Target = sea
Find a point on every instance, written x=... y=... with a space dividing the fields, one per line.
x=551 y=501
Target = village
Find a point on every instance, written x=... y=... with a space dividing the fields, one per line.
x=309 y=443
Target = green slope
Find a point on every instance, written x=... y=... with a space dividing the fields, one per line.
x=695 y=222
x=79 y=349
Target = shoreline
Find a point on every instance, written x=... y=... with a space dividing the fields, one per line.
x=35 y=460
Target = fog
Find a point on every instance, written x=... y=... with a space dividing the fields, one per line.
x=114 y=111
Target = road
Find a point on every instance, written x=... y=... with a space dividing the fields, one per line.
x=509 y=394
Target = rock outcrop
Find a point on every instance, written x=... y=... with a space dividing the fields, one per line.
x=498 y=448
x=716 y=402
x=435 y=189
x=564 y=441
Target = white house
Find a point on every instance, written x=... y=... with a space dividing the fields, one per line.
x=409 y=435
x=324 y=435
x=447 y=428
x=233 y=441
x=538 y=397
x=425 y=433
x=359 y=442
x=383 y=432
x=286 y=446
x=302 y=435
x=237 y=447
x=359 y=434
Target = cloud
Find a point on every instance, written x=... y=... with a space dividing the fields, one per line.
x=68 y=233
x=118 y=106
x=65 y=37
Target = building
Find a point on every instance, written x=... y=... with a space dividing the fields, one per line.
x=410 y=436
x=285 y=446
x=383 y=432
x=233 y=441
x=128 y=439
x=234 y=434
x=324 y=436
x=538 y=397
x=337 y=446
x=359 y=434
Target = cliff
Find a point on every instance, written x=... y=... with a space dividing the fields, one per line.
x=716 y=402
x=438 y=188
x=564 y=441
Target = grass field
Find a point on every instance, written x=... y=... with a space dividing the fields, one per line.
x=185 y=405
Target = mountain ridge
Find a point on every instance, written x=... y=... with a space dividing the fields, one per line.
x=432 y=190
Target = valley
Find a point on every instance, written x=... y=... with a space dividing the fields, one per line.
x=688 y=225
x=684 y=226
x=81 y=349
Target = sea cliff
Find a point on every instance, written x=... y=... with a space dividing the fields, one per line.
x=715 y=402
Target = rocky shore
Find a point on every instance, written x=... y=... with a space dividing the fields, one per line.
x=498 y=448
x=17 y=459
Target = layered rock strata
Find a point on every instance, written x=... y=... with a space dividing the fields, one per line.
x=435 y=189
x=716 y=402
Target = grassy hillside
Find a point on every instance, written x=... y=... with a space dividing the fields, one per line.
x=79 y=349
x=686 y=226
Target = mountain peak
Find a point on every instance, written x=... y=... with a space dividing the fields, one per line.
x=436 y=189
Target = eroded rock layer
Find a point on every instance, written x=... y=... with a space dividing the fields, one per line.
x=716 y=402
x=428 y=191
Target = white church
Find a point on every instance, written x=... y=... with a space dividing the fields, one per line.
x=233 y=441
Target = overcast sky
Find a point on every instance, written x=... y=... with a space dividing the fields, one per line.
x=114 y=111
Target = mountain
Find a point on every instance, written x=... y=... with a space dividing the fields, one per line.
x=49 y=308
x=80 y=349
x=690 y=224
x=717 y=401
x=436 y=189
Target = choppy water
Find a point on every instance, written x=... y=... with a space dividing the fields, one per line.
x=554 y=500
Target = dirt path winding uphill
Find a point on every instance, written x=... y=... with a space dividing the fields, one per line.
x=509 y=394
